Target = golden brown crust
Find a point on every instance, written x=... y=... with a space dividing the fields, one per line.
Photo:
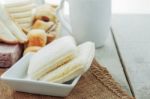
x=37 y=37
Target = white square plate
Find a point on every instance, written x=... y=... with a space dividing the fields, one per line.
x=16 y=78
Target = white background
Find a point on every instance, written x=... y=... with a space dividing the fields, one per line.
x=131 y=6
x=126 y=6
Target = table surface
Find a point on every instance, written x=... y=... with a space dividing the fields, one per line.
x=126 y=53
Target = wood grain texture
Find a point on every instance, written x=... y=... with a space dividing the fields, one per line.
x=132 y=33
x=108 y=57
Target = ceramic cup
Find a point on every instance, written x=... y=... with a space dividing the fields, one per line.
x=89 y=20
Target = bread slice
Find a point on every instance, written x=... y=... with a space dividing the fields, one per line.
x=6 y=36
x=25 y=25
x=24 y=20
x=19 y=9
x=16 y=31
x=52 y=56
x=17 y=3
x=75 y=67
x=21 y=14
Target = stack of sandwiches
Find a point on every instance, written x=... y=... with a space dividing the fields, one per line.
x=21 y=12
x=11 y=36
x=19 y=25
x=58 y=61
x=10 y=32
x=61 y=61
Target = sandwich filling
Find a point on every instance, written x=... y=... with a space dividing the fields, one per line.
x=63 y=72
x=70 y=75
x=52 y=65
x=75 y=67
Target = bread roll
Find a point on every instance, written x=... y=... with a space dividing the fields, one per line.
x=37 y=37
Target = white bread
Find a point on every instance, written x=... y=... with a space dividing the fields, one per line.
x=21 y=15
x=16 y=31
x=6 y=36
x=25 y=25
x=51 y=57
x=17 y=3
x=24 y=20
x=19 y=9
x=75 y=67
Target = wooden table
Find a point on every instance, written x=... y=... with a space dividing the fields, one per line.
x=126 y=53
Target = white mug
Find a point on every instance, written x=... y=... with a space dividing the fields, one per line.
x=89 y=20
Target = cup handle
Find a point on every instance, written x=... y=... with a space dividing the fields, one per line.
x=61 y=18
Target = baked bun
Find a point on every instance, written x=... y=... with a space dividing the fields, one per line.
x=39 y=24
x=37 y=37
x=31 y=49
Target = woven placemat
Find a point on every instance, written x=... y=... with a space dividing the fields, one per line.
x=97 y=83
